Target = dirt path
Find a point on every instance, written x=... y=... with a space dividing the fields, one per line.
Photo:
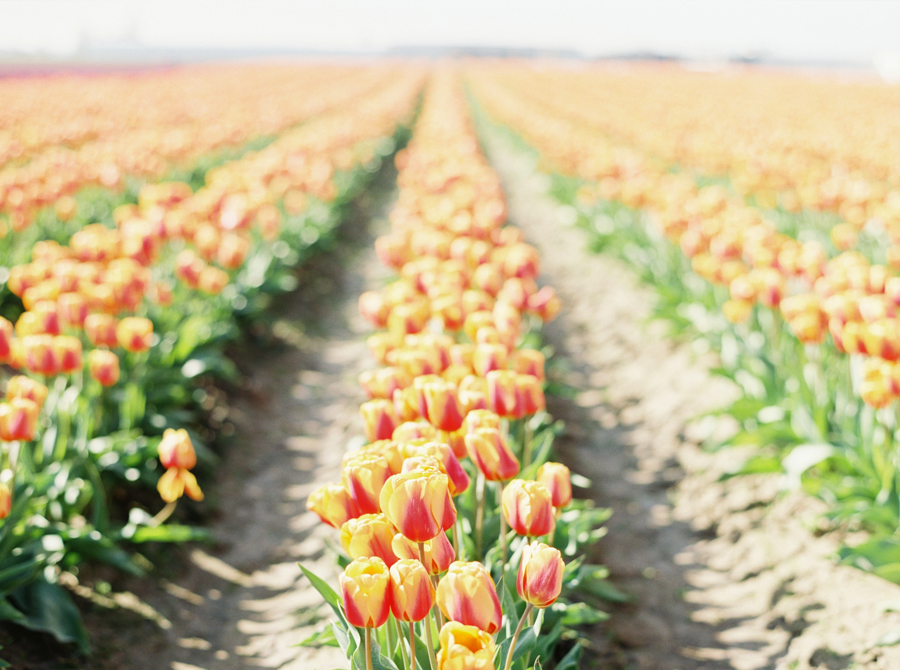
x=721 y=579
x=244 y=603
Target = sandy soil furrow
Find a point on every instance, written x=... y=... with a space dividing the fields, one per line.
x=721 y=578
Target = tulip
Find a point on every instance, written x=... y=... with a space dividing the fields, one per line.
x=390 y=450
x=545 y=303
x=6 y=336
x=18 y=419
x=465 y=648
x=540 y=574
x=135 y=333
x=368 y=535
x=481 y=418
x=212 y=280
x=177 y=481
x=531 y=393
x=101 y=330
x=449 y=463
x=528 y=508
x=418 y=504
x=380 y=344
x=490 y=454
x=529 y=362
x=503 y=394
x=383 y=382
x=476 y=321
x=103 y=366
x=379 y=418
x=488 y=357
x=176 y=449
x=366 y=592
x=467 y=595
x=67 y=349
x=364 y=477
x=414 y=430
x=406 y=405
x=21 y=386
x=40 y=355
x=412 y=594
x=556 y=477
x=333 y=504
x=439 y=553
x=73 y=309
x=443 y=407
x=374 y=308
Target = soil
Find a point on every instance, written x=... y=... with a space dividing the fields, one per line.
x=731 y=574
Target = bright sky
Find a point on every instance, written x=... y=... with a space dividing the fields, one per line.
x=846 y=30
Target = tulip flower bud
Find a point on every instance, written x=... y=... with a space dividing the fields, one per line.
x=467 y=595
x=443 y=409
x=67 y=350
x=135 y=333
x=531 y=393
x=40 y=355
x=439 y=553
x=100 y=329
x=368 y=535
x=556 y=477
x=18 y=419
x=5 y=501
x=364 y=478
x=176 y=449
x=412 y=594
x=540 y=574
x=103 y=365
x=491 y=455
x=414 y=430
x=366 y=592
x=449 y=463
x=503 y=394
x=21 y=386
x=333 y=504
x=175 y=482
x=528 y=508
x=379 y=418
x=418 y=504
x=489 y=357
x=545 y=303
x=529 y=362
x=465 y=648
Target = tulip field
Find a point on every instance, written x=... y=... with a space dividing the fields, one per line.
x=179 y=442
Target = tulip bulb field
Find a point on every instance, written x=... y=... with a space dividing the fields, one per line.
x=484 y=366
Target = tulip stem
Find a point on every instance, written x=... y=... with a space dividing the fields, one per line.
x=479 y=515
x=400 y=642
x=369 y=647
x=512 y=647
x=526 y=443
x=163 y=514
x=427 y=620
x=457 y=545
x=502 y=529
x=412 y=646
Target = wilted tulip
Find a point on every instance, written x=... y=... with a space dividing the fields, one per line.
x=379 y=419
x=176 y=449
x=368 y=535
x=418 y=504
x=103 y=366
x=439 y=553
x=366 y=592
x=491 y=455
x=412 y=594
x=557 y=479
x=175 y=482
x=528 y=508
x=364 y=477
x=540 y=574
x=135 y=333
x=467 y=595
x=333 y=504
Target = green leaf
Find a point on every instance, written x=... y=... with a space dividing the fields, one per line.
x=320 y=585
x=581 y=614
x=321 y=638
x=570 y=661
x=48 y=608
x=166 y=533
x=754 y=465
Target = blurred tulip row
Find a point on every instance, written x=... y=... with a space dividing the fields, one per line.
x=453 y=522
x=806 y=327
x=116 y=330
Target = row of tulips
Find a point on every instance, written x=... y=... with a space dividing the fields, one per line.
x=455 y=400
x=810 y=339
x=778 y=138
x=149 y=329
